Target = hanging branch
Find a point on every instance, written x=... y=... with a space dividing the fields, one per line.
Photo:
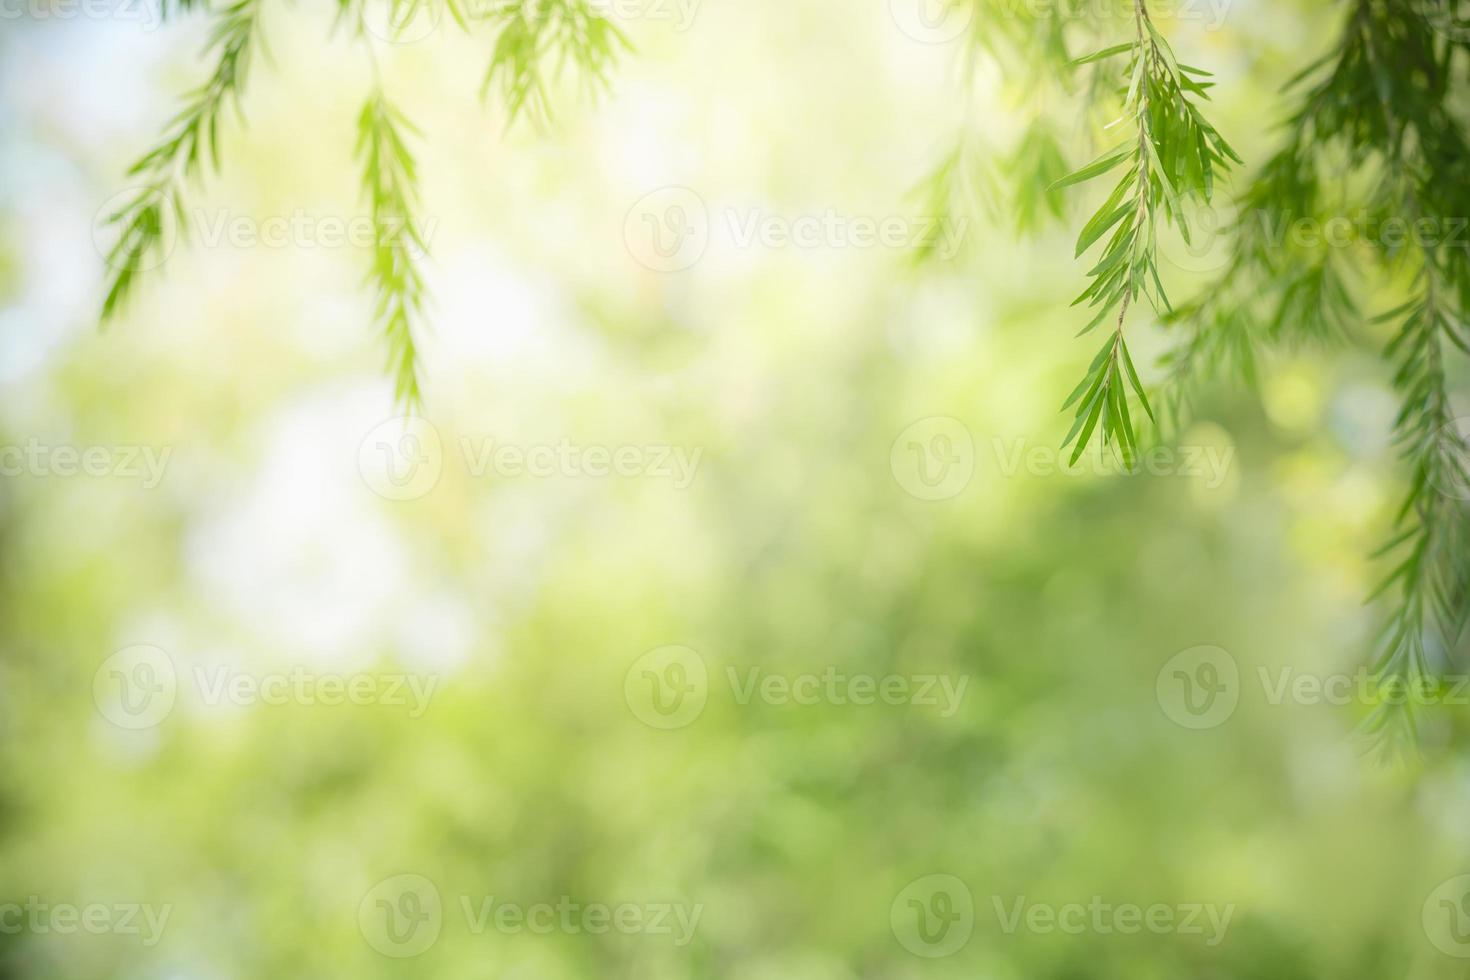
x=390 y=184
x=535 y=39
x=191 y=141
x=1430 y=536
x=1379 y=103
x=1173 y=154
x=535 y=32
x=1375 y=111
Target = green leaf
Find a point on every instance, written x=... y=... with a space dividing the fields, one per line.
x=1087 y=428
x=1137 y=384
x=1116 y=49
x=1099 y=225
x=1096 y=168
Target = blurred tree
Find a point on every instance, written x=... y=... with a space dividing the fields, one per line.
x=1376 y=121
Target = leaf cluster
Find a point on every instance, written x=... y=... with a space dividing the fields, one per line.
x=190 y=140
x=390 y=184
x=1376 y=110
x=1171 y=155
x=535 y=40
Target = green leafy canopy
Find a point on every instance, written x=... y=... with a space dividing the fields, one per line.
x=1373 y=125
x=1375 y=118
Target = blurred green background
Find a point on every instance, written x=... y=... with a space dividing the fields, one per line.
x=807 y=378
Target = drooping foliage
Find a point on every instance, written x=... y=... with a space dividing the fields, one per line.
x=1372 y=128
x=533 y=40
x=1374 y=124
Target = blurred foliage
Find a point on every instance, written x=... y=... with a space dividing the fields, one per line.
x=1060 y=595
